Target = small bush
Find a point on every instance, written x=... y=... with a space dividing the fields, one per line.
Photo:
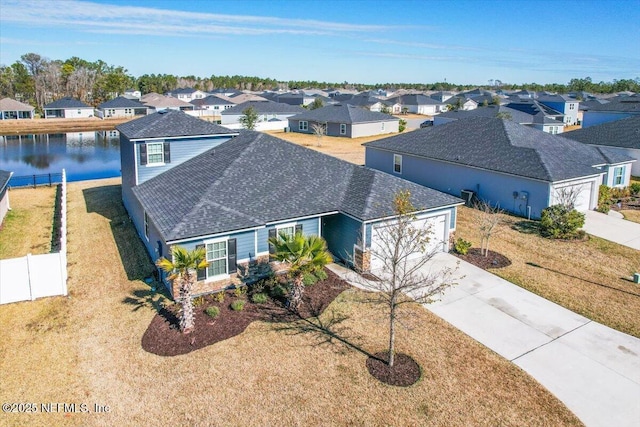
x=321 y=275
x=218 y=296
x=259 y=298
x=240 y=291
x=198 y=301
x=278 y=291
x=309 y=279
x=560 y=222
x=635 y=188
x=462 y=246
x=237 y=305
x=604 y=199
x=212 y=311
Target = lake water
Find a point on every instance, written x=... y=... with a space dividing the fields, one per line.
x=83 y=155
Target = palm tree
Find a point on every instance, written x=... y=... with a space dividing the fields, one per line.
x=184 y=269
x=303 y=254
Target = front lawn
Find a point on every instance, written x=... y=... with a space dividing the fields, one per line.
x=589 y=277
x=87 y=349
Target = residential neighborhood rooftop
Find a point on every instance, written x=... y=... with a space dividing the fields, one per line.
x=623 y=133
x=263 y=107
x=170 y=124
x=342 y=113
x=66 y=102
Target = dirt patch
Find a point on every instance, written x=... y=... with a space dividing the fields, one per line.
x=491 y=260
x=163 y=336
x=405 y=370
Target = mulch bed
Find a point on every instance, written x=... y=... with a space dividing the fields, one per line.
x=405 y=370
x=163 y=336
x=492 y=260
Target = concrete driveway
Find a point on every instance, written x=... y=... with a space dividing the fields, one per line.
x=594 y=370
x=612 y=228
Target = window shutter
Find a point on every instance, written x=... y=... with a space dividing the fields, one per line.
x=202 y=272
x=298 y=228
x=232 y=255
x=167 y=152
x=272 y=234
x=143 y=154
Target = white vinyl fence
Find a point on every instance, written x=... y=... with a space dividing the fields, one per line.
x=36 y=276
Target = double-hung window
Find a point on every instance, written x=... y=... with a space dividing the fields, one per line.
x=217 y=258
x=397 y=163
x=343 y=129
x=155 y=153
x=618 y=176
x=288 y=231
x=303 y=125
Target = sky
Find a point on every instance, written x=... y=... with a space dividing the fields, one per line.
x=357 y=41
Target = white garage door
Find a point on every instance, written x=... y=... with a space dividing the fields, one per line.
x=438 y=238
x=583 y=198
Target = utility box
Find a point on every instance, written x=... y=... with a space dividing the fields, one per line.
x=636 y=278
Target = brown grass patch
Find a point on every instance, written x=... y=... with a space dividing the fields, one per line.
x=349 y=149
x=590 y=277
x=631 y=214
x=28 y=227
x=87 y=349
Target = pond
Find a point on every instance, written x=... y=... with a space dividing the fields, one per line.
x=83 y=155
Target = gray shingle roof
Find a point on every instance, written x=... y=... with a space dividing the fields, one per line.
x=121 y=102
x=415 y=99
x=67 y=102
x=623 y=133
x=167 y=124
x=629 y=104
x=210 y=100
x=254 y=179
x=498 y=145
x=264 y=107
x=343 y=113
x=5 y=176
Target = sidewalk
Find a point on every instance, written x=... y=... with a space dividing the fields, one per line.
x=594 y=370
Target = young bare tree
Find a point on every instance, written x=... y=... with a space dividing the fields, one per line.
x=567 y=196
x=319 y=130
x=404 y=279
x=488 y=225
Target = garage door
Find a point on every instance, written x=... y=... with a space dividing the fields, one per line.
x=438 y=238
x=583 y=198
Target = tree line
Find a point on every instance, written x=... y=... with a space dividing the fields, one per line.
x=38 y=80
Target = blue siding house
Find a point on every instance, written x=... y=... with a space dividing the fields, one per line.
x=522 y=170
x=617 y=108
x=232 y=197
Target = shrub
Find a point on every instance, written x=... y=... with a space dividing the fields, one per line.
x=259 y=298
x=240 y=291
x=560 y=222
x=321 y=275
x=309 y=279
x=604 y=199
x=198 y=301
x=237 y=305
x=212 y=311
x=278 y=291
x=635 y=188
x=462 y=246
x=219 y=296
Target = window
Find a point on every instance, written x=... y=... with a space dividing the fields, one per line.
x=303 y=125
x=146 y=226
x=618 y=176
x=572 y=106
x=155 y=153
x=217 y=258
x=397 y=163
x=382 y=125
x=343 y=129
x=289 y=231
x=79 y=112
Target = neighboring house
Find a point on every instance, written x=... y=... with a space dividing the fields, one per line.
x=564 y=104
x=523 y=114
x=442 y=96
x=267 y=110
x=419 y=104
x=617 y=108
x=345 y=120
x=371 y=103
x=10 y=109
x=157 y=102
x=132 y=94
x=246 y=97
x=543 y=118
x=67 y=108
x=621 y=137
x=5 y=207
x=231 y=199
x=122 y=107
x=156 y=143
x=213 y=103
x=290 y=98
x=520 y=169
x=187 y=94
x=461 y=103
